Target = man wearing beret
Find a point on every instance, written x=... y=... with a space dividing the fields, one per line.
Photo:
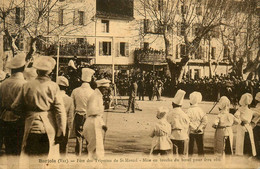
x=12 y=127
x=80 y=98
x=44 y=112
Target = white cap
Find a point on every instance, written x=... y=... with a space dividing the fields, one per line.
x=17 y=61
x=103 y=82
x=161 y=112
x=179 y=96
x=224 y=103
x=30 y=73
x=44 y=63
x=2 y=75
x=62 y=81
x=257 y=96
x=195 y=98
x=87 y=74
x=246 y=99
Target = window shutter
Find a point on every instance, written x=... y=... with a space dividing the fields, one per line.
x=60 y=15
x=202 y=52
x=118 y=49
x=178 y=29
x=100 y=48
x=177 y=52
x=76 y=17
x=193 y=29
x=127 y=49
x=84 y=18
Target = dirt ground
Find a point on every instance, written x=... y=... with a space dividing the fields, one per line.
x=129 y=133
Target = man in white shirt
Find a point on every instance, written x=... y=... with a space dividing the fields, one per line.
x=180 y=124
x=198 y=122
x=80 y=98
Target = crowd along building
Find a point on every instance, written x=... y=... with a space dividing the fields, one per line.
x=114 y=34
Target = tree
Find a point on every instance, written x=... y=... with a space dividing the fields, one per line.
x=38 y=21
x=181 y=18
x=240 y=38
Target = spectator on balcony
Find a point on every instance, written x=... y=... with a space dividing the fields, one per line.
x=72 y=63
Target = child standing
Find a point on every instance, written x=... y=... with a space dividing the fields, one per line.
x=161 y=143
x=224 y=133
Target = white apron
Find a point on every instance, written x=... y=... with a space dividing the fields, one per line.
x=49 y=125
x=94 y=134
x=240 y=142
x=219 y=141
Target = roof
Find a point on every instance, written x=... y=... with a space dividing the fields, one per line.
x=115 y=9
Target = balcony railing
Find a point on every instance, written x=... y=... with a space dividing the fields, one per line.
x=150 y=56
x=67 y=48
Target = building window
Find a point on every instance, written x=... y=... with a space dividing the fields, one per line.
x=124 y=49
x=105 y=26
x=215 y=33
x=177 y=52
x=81 y=17
x=183 y=29
x=80 y=40
x=213 y=53
x=199 y=10
x=61 y=13
x=146 y=25
x=184 y=9
x=226 y=54
x=195 y=30
x=199 y=54
x=105 y=48
x=146 y=45
x=7 y=43
x=183 y=51
x=18 y=15
x=160 y=5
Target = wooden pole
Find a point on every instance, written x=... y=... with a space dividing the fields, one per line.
x=58 y=59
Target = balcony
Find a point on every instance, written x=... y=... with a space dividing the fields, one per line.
x=150 y=57
x=68 y=47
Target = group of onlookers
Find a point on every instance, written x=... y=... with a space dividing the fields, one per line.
x=176 y=131
x=37 y=117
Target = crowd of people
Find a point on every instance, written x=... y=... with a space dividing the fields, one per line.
x=211 y=88
x=37 y=116
x=176 y=131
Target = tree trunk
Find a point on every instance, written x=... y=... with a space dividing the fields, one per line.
x=171 y=64
x=209 y=58
x=182 y=72
x=11 y=40
x=32 y=49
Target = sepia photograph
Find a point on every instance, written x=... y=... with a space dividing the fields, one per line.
x=129 y=84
